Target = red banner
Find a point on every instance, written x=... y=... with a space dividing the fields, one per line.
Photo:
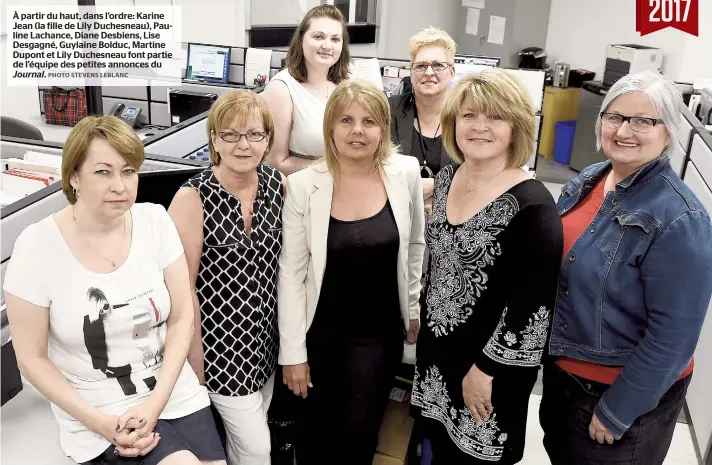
x=654 y=15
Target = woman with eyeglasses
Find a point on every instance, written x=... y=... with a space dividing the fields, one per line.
x=634 y=286
x=229 y=218
x=415 y=116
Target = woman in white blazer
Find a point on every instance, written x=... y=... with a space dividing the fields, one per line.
x=349 y=277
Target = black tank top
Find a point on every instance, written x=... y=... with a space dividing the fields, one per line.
x=359 y=293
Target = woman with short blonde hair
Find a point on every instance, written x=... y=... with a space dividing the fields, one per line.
x=349 y=276
x=229 y=218
x=495 y=243
x=416 y=114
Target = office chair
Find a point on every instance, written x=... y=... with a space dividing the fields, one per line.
x=12 y=127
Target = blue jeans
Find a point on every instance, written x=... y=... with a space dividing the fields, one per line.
x=567 y=408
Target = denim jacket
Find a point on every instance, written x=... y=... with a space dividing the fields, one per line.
x=635 y=287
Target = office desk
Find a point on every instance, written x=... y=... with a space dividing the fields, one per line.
x=28 y=431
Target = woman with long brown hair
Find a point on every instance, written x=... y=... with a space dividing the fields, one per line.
x=318 y=60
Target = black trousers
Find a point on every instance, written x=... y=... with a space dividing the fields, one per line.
x=341 y=416
x=567 y=407
x=352 y=378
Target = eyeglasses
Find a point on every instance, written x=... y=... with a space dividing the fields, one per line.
x=252 y=136
x=636 y=123
x=437 y=66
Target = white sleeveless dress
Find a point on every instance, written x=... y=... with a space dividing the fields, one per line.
x=306 y=139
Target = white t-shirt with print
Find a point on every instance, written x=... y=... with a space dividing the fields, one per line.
x=107 y=331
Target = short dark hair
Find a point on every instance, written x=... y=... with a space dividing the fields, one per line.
x=295 y=56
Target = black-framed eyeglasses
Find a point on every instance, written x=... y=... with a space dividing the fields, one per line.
x=234 y=136
x=438 y=66
x=636 y=123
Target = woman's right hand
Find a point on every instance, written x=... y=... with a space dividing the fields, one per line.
x=297 y=378
x=125 y=438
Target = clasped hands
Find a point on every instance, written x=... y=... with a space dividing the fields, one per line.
x=132 y=432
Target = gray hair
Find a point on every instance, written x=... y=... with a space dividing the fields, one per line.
x=665 y=95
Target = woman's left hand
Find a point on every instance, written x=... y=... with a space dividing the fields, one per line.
x=413 y=330
x=477 y=393
x=428 y=190
x=600 y=433
x=141 y=419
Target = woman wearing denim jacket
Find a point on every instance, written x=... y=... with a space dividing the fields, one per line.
x=634 y=287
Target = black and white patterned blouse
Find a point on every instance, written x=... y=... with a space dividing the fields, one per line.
x=237 y=283
x=490 y=292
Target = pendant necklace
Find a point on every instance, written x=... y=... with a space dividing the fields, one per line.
x=123 y=240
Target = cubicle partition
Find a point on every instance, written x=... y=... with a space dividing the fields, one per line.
x=697 y=174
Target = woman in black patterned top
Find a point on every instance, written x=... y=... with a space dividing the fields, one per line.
x=495 y=241
x=230 y=221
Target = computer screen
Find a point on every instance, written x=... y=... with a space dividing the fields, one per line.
x=467 y=64
x=210 y=63
x=490 y=62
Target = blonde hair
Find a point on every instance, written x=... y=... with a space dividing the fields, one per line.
x=240 y=104
x=432 y=36
x=112 y=129
x=493 y=92
x=374 y=101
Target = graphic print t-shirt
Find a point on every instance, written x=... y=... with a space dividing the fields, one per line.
x=107 y=331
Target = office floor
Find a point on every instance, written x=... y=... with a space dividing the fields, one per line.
x=548 y=170
x=30 y=435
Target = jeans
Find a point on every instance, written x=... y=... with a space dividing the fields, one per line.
x=567 y=408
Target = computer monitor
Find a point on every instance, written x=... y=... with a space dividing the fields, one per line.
x=209 y=63
x=468 y=64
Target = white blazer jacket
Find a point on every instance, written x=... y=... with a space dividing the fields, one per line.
x=305 y=225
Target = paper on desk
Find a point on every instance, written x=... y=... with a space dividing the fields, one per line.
x=473 y=21
x=474 y=4
x=43 y=159
x=257 y=63
x=496 y=29
x=369 y=69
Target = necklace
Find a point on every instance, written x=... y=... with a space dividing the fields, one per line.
x=424 y=149
x=471 y=189
x=317 y=89
x=123 y=239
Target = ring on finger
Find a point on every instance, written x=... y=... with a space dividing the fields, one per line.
x=609 y=439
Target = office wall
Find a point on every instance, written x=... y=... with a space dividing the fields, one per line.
x=404 y=18
x=526 y=24
x=580 y=30
x=696 y=62
x=279 y=12
x=221 y=22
